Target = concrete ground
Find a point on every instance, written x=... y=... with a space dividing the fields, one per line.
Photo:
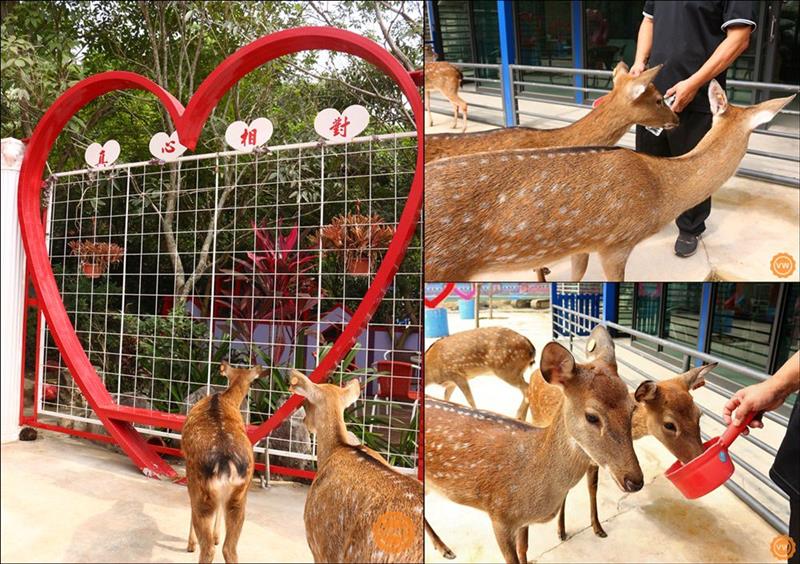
x=751 y=220
x=654 y=525
x=67 y=500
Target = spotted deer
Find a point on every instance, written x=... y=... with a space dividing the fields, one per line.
x=527 y=208
x=219 y=464
x=632 y=100
x=664 y=409
x=518 y=473
x=452 y=361
x=444 y=77
x=358 y=508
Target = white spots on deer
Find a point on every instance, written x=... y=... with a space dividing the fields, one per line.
x=483 y=178
x=502 y=198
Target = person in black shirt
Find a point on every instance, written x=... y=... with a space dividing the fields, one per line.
x=766 y=396
x=696 y=42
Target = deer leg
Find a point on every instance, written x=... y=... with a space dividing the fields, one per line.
x=234 y=519
x=591 y=480
x=449 y=388
x=523 y=407
x=192 y=537
x=614 y=261
x=463 y=385
x=428 y=107
x=562 y=530
x=522 y=544
x=507 y=540
x=438 y=544
x=202 y=522
x=455 y=114
x=579 y=264
x=217 y=525
x=464 y=113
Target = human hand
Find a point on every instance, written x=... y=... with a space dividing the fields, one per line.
x=684 y=92
x=637 y=69
x=758 y=397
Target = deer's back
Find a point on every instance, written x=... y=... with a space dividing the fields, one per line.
x=530 y=208
x=350 y=494
x=443 y=145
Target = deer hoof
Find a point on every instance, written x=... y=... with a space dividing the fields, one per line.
x=216 y=540
x=600 y=533
x=562 y=535
x=190 y=548
x=449 y=554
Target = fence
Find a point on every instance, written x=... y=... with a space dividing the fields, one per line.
x=511 y=112
x=570 y=323
x=224 y=256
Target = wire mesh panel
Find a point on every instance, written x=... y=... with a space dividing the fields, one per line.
x=167 y=270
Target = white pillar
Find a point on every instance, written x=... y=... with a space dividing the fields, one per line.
x=13 y=289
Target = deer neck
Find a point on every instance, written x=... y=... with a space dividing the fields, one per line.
x=236 y=392
x=639 y=423
x=603 y=126
x=331 y=435
x=691 y=178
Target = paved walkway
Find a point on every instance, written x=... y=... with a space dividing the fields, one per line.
x=654 y=525
x=751 y=221
x=66 y=500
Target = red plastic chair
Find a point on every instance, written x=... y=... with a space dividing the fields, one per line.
x=395 y=384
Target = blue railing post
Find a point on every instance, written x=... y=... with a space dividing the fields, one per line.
x=553 y=297
x=508 y=53
x=437 y=44
x=610 y=301
x=704 y=328
x=577 y=46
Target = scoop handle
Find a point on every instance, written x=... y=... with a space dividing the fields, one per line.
x=734 y=430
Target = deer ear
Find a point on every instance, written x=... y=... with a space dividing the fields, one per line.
x=600 y=345
x=717 y=98
x=765 y=111
x=695 y=377
x=351 y=392
x=638 y=85
x=299 y=384
x=557 y=364
x=620 y=70
x=647 y=391
x=224 y=367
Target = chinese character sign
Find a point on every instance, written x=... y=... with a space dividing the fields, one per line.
x=242 y=136
x=99 y=156
x=335 y=126
x=166 y=147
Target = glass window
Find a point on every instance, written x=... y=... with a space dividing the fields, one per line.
x=789 y=338
x=682 y=315
x=487 y=32
x=625 y=305
x=455 y=30
x=544 y=38
x=647 y=310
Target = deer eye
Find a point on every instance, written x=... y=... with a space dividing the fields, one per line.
x=592 y=418
x=660 y=102
x=670 y=427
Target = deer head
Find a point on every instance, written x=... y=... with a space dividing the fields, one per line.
x=745 y=118
x=670 y=413
x=639 y=99
x=597 y=412
x=325 y=405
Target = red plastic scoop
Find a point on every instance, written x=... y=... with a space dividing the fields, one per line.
x=599 y=101
x=711 y=469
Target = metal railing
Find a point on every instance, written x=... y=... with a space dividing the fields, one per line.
x=518 y=83
x=570 y=324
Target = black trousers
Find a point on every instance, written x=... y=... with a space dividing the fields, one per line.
x=794 y=529
x=682 y=139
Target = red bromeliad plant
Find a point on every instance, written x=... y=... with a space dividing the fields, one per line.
x=276 y=286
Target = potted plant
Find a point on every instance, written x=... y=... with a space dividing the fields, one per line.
x=96 y=257
x=361 y=238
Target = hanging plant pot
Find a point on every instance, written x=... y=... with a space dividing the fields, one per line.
x=93 y=270
x=358 y=266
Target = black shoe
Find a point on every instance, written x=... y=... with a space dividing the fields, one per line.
x=686 y=245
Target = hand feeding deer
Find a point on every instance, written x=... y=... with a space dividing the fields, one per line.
x=519 y=474
x=664 y=410
x=452 y=361
x=358 y=508
x=632 y=100
x=528 y=208
x=219 y=464
x=444 y=77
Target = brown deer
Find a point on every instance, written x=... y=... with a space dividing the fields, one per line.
x=519 y=474
x=528 y=208
x=219 y=464
x=452 y=361
x=632 y=100
x=664 y=410
x=445 y=78
x=358 y=508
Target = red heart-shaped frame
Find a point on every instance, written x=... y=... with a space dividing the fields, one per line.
x=441 y=296
x=188 y=123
